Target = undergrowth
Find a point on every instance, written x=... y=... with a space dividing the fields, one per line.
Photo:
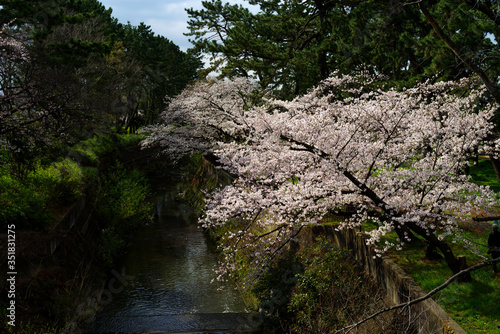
x=121 y=204
x=36 y=198
x=319 y=289
x=31 y=201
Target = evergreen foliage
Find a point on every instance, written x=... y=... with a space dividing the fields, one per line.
x=291 y=45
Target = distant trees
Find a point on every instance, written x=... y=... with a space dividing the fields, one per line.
x=85 y=73
x=161 y=71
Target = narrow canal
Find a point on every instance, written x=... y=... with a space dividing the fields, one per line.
x=162 y=284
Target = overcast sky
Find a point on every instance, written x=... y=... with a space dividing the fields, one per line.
x=167 y=18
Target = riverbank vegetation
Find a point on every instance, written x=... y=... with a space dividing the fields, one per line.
x=39 y=197
x=121 y=205
x=68 y=262
x=320 y=289
x=75 y=85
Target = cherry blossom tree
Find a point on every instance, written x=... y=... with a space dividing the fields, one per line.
x=392 y=159
x=205 y=113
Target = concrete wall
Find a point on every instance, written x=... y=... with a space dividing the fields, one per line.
x=400 y=288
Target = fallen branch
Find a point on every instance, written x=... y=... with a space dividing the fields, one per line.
x=485 y=219
x=427 y=296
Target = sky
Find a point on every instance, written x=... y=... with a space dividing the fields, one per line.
x=167 y=18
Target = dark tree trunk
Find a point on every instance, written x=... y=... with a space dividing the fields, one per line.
x=451 y=260
x=496 y=167
x=431 y=252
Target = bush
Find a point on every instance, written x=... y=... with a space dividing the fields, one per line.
x=89 y=151
x=122 y=206
x=62 y=182
x=22 y=204
x=122 y=196
x=29 y=199
x=330 y=292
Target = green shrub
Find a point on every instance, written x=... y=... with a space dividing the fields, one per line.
x=122 y=196
x=21 y=204
x=319 y=289
x=330 y=292
x=28 y=201
x=62 y=182
x=273 y=291
x=89 y=151
x=122 y=205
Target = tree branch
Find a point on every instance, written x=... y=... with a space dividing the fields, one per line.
x=463 y=58
x=425 y=297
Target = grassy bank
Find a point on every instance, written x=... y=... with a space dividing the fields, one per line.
x=474 y=305
x=51 y=284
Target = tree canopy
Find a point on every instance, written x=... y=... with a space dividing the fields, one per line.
x=291 y=45
x=85 y=73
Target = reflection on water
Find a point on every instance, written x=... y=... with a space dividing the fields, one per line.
x=170 y=265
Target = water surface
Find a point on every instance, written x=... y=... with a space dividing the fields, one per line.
x=163 y=281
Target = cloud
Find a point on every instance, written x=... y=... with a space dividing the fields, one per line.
x=166 y=19
x=171 y=29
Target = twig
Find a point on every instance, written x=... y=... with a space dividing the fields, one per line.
x=427 y=296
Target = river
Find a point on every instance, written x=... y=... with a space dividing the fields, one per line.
x=162 y=283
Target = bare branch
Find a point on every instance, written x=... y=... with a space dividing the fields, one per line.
x=425 y=297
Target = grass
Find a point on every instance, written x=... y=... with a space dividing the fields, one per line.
x=474 y=305
x=484 y=174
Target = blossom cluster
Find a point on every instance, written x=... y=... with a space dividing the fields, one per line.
x=10 y=46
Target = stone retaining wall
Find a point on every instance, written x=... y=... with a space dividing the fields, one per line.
x=430 y=318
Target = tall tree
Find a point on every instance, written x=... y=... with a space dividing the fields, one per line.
x=469 y=30
x=291 y=45
x=67 y=42
x=164 y=70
